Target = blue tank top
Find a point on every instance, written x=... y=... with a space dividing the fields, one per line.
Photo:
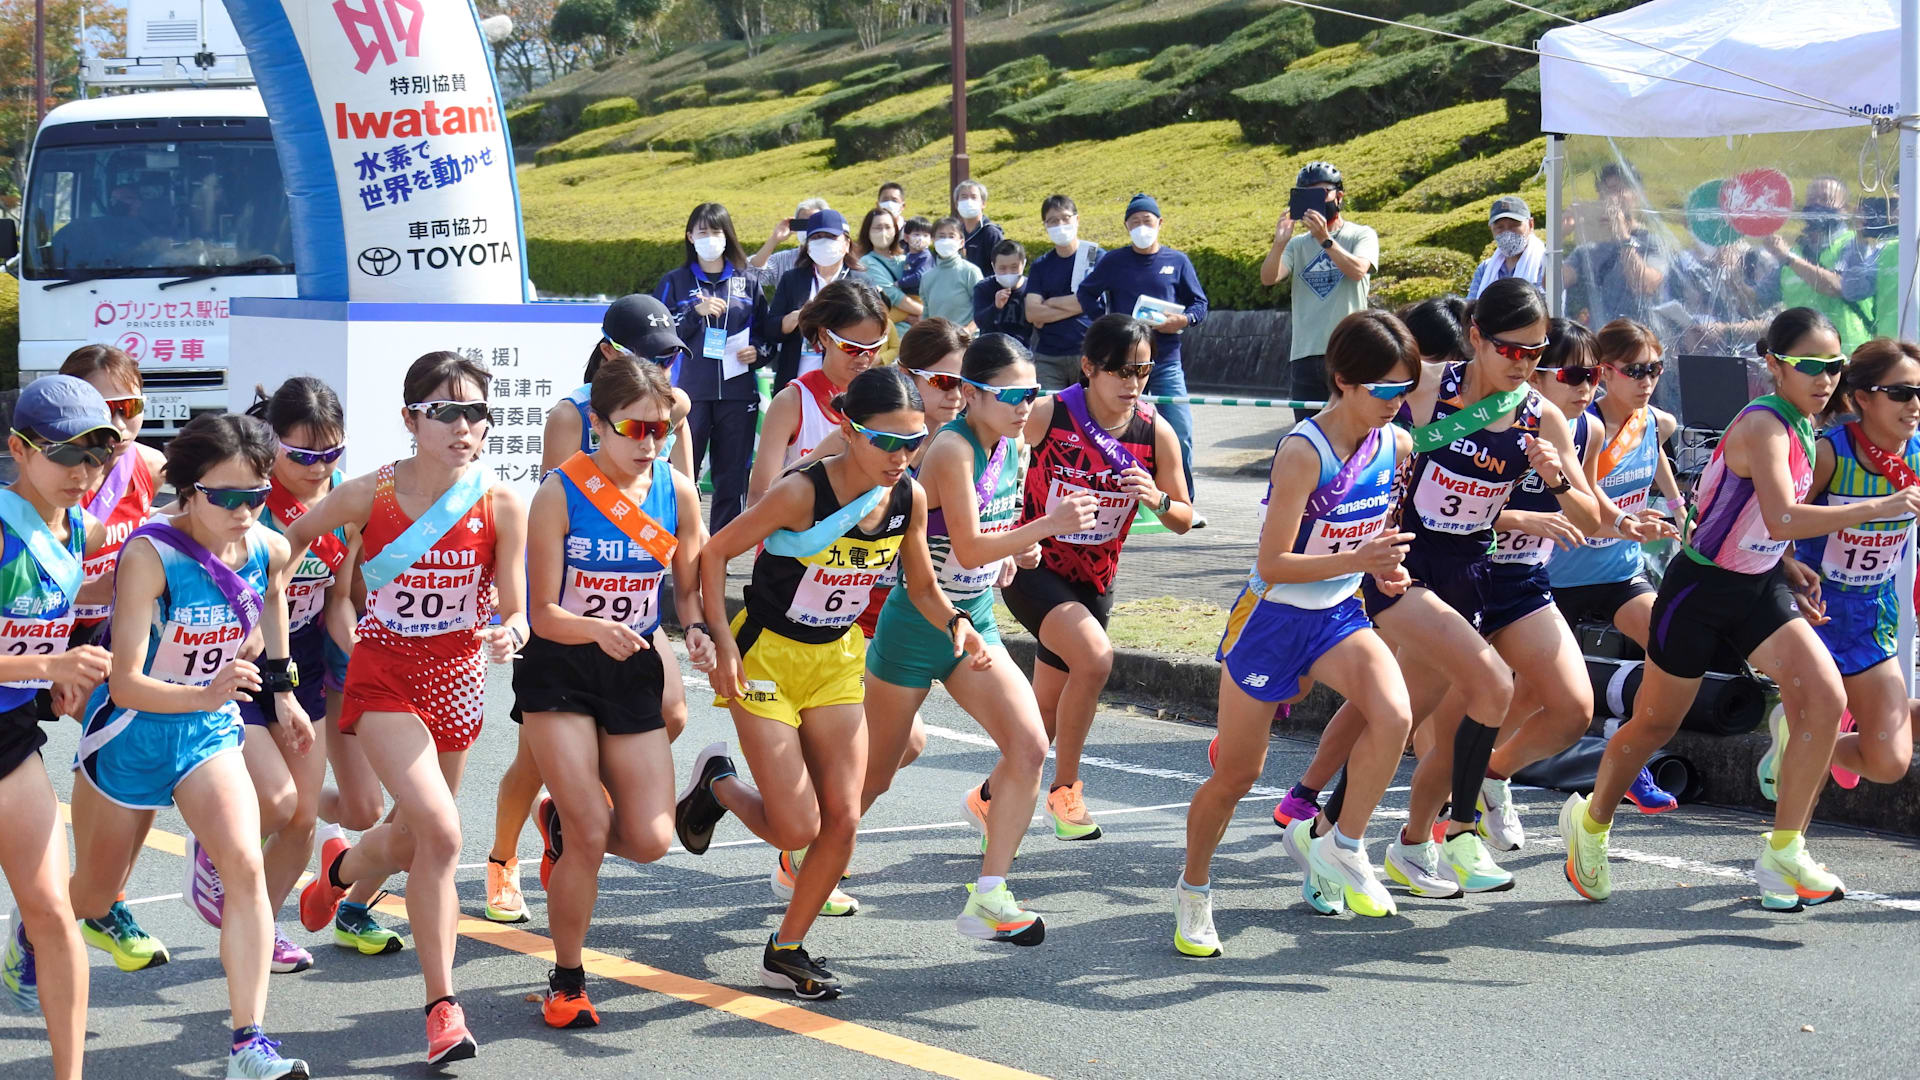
x=581 y=399
x=1459 y=489
x=608 y=574
x=195 y=632
x=1511 y=547
x=1862 y=558
x=1355 y=521
x=1603 y=561
x=37 y=618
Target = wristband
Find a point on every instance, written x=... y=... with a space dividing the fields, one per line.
x=519 y=640
x=955 y=621
x=1618 y=518
x=279 y=676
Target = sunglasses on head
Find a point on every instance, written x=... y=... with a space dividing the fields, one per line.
x=939 y=380
x=642 y=429
x=68 y=454
x=663 y=361
x=859 y=350
x=1515 y=351
x=448 y=412
x=1388 y=391
x=127 y=407
x=1006 y=395
x=891 y=441
x=1815 y=366
x=234 y=498
x=313 y=457
x=1571 y=376
x=1649 y=370
x=1901 y=393
x=1131 y=371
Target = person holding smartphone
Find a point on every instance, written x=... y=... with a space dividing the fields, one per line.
x=1331 y=264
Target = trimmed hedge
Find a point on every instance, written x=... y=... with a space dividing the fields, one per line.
x=839 y=104
x=1131 y=54
x=745 y=94
x=1395 y=293
x=690 y=96
x=901 y=124
x=749 y=127
x=1258 y=51
x=1476 y=180
x=1522 y=95
x=1081 y=110
x=607 y=113
x=9 y=330
x=1337 y=56
x=531 y=125
x=1172 y=62
x=1426 y=262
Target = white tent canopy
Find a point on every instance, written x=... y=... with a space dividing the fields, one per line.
x=1842 y=51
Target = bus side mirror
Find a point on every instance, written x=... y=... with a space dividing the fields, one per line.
x=9 y=239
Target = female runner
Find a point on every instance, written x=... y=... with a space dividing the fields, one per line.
x=164 y=731
x=1728 y=587
x=1298 y=621
x=437 y=538
x=789 y=666
x=589 y=686
x=846 y=322
x=1098 y=440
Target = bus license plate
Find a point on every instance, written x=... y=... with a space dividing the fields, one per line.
x=167 y=407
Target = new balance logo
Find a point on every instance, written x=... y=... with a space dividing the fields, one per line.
x=1255 y=681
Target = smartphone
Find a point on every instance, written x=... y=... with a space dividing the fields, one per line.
x=797 y=224
x=1305 y=199
x=1877 y=216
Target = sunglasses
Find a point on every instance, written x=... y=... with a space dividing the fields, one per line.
x=859 y=350
x=313 y=457
x=1006 y=395
x=889 y=441
x=1815 y=366
x=1388 y=391
x=663 y=361
x=642 y=429
x=127 y=408
x=448 y=412
x=1515 y=351
x=1572 y=376
x=1131 y=371
x=939 y=380
x=234 y=498
x=68 y=454
x=1649 y=370
x=1901 y=393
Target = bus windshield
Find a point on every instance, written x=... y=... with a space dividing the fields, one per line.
x=156 y=209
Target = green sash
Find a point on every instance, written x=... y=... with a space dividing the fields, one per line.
x=1438 y=433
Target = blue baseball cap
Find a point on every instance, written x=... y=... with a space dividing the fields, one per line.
x=59 y=408
x=827 y=221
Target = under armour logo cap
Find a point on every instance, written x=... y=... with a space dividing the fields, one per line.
x=641 y=325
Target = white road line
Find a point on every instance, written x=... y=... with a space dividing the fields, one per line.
x=975 y=738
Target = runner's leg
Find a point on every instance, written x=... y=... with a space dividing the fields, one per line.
x=219 y=806
x=33 y=857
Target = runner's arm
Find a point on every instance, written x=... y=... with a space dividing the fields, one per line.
x=99 y=591
x=682 y=456
x=1663 y=468
x=692 y=535
x=782 y=423
x=510 y=558
x=915 y=563
x=1577 y=502
x=561 y=437
x=350 y=503
x=139 y=581
x=1759 y=442
x=340 y=613
x=947 y=479
x=788 y=504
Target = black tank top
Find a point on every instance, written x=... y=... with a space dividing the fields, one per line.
x=814 y=600
x=1459 y=489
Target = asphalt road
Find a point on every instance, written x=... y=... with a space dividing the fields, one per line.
x=1680 y=974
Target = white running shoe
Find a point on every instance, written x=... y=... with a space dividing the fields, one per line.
x=1417 y=866
x=1193 y=933
x=1295 y=839
x=1345 y=878
x=1499 y=819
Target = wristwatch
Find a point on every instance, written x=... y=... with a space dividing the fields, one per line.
x=955 y=621
x=1327 y=243
x=1166 y=502
x=1565 y=486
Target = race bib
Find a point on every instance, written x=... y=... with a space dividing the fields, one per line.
x=1863 y=557
x=191 y=654
x=1334 y=537
x=632 y=598
x=839 y=582
x=307 y=592
x=1632 y=503
x=426 y=603
x=1517 y=548
x=34 y=637
x=1114 y=510
x=1450 y=503
x=102 y=563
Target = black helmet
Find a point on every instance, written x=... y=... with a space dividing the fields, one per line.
x=1320 y=172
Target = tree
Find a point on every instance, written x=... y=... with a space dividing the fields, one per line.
x=106 y=34
x=530 y=55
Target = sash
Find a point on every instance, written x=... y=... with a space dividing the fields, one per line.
x=1119 y=458
x=241 y=597
x=1789 y=414
x=822 y=398
x=820 y=537
x=114 y=484
x=55 y=558
x=1624 y=442
x=287 y=510
x=982 y=489
x=606 y=497
x=1328 y=495
x=1438 y=433
x=397 y=557
x=1890 y=465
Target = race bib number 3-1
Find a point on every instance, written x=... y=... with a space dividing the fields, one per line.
x=1450 y=503
x=34 y=637
x=191 y=655
x=1113 y=510
x=422 y=604
x=629 y=598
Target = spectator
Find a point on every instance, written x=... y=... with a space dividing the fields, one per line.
x=1617 y=273
x=1809 y=274
x=1723 y=291
x=1330 y=264
x=946 y=287
x=772 y=265
x=1000 y=302
x=884 y=261
x=829 y=259
x=1516 y=251
x=1870 y=268
x=715 y=308
x=981 y=235
x=1051 y=284
x=893 y=197
x=919 y=244
x=1158 y=285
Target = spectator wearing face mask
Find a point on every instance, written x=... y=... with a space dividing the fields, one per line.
x=917 y=238
x=1516 y=251
x=829 y=258
x=1870 y=268
x=1617 y=272
x=1000 y=302
x=884 y=261
x=979 y=236
x=893 y=197
x=1331 y=263
x=1051 y=308
x=946 y=286
x=1809 y=267
x=772 y=263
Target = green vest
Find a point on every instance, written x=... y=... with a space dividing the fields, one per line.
x=1852 y=320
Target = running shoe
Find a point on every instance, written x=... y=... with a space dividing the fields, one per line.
x=1293 y=808
x=287 y=957
x=504 y=902
x=997 y=916
x=1068 y=808
x=1650 y=797
x=1586 y=866
x=1417 y=868
x=1295 y=840
x=17 y=974
x=566 y=1006
x=119 y=936
x=787 y=869
x=1213 y=753
x=1193 y=933
x=1769 y=768
x=447 y=1036
x=202 y=892
x=1344 y=878
x=1845 y=779
x=1790 y=879
x=1464 y=859
x=697 y=812
x=1499 y=818
x=792 y=969
x=321 y=896
x=547 y=816
x=259 y=1059
x=354 y=928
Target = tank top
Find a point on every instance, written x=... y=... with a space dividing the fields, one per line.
x=1065 y=464
x=307 y=590
x=37 y=618
x=1605 y=560
x=1511 y=547
x=1358 y=517
x=817 y=418
x=439 y=605
x=582 y=400
x=997 y=513
x=1727 y=530
x=608 y=574
x=195 y=631
x=132 y=511
x=1460 y=488
x=813 y=600
x=1860 y=558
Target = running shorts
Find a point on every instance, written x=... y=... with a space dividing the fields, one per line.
x=336 y=665
x=1600 y=603
x=622 y=696
x=869 y=620
x=1461 y=586
x=785 y=677
x=309 y=654
x=1700 y=607
x=909 y=651
x=1033 y=593
x=1514 y=591
x=1269 y=648
x=447 y=694
x=136 y=759
x=1862 y=627
x=21 y=737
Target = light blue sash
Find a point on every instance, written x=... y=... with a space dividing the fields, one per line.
x=801 y=545
x=53 y=556
x=427 y=529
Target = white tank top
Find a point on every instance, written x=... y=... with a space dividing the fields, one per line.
x=815 y=424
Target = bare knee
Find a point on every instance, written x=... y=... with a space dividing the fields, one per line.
x=794 y=831
x=916 y=742
x=589 y=830
x=434 y=842
x=360 y=814
x=1237 y=777
x=1096 y=665
x=676 y=719
x=43 y=910
x=277 y=810
x=1026 y=752
x=838 y=823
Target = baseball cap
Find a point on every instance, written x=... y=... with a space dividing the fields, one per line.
x=827 y=221
x=58 y=408
x=641 y=325
x=1512 y=207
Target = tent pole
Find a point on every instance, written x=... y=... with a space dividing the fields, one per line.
x=1556 y=169
x=1909 y=249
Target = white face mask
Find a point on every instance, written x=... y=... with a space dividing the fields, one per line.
x=1063 y=234
x=1007 y=281
x=917 y=241
x=892 y=206
x=826 y=251
x=1510 y=243
x=1143 y=236
x=946 y=247
x=709 y=247
x=969 y=208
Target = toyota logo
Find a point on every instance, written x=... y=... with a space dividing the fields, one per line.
x=379 y=261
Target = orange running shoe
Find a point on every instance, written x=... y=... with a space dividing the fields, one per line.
x=504 y=902
x=567 y=1006
x=447 y=1036
x=1068 y=808
x=547 y=816
x=321 y=898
